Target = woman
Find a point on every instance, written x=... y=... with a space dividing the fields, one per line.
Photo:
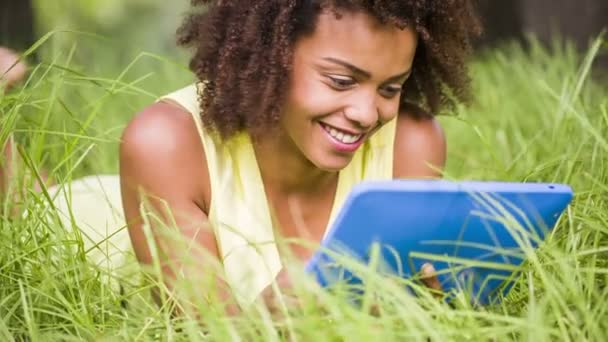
x=297 y=101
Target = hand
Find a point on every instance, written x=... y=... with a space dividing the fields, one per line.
x=8 y=58
x=429 y=278
x=272 y=299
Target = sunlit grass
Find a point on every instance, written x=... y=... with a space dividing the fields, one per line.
x=538 y=116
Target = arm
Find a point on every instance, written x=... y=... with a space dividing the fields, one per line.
x=420 y=152
x=163 y=165
x=420 y=146
x=12 y=71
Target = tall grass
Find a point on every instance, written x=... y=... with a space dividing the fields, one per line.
x=538 y=116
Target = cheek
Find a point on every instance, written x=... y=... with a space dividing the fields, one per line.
x=389 y=110
x=308 y=94
x=313 y=100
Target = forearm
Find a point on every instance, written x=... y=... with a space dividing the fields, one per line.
x=192 y=290
x=179 y=254
x=5 y=166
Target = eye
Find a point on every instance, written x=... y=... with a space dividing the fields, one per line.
x=390 y=91
x=341 y=83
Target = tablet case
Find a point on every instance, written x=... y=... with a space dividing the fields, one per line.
x=475 y=233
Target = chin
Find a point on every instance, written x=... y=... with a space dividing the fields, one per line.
x=332 y=164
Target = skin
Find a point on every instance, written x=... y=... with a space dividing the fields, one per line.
x=12 y=71
x=302 y=170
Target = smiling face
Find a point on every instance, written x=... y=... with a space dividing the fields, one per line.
x=346 y=83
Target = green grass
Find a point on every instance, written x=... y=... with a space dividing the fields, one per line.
x=538 y=116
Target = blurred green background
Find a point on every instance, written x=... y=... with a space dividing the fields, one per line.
x=95 y=65
x=149 y=25
x=132 y=26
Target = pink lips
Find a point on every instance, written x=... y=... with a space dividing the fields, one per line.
x=340 y=146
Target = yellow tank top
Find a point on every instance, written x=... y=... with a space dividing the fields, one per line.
x=239 y=211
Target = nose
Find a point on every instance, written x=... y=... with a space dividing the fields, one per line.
x=363 y=112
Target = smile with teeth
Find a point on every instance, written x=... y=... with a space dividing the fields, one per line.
x=341 y=136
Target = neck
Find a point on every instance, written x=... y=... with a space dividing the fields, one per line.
x=284 y=167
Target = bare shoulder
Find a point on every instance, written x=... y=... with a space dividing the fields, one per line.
x=161 y=150
x=161 y=156
x=420 y=145
x=161 y=127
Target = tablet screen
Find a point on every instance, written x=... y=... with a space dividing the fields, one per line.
x=476 y=234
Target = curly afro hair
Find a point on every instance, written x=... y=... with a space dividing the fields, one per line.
x=243 y=53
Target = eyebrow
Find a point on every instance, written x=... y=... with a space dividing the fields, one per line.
x=362 y=73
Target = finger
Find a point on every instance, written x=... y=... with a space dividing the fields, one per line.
x=283 y=279
x=429 y=277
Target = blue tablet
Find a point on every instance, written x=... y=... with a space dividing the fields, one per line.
x=476 y=234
